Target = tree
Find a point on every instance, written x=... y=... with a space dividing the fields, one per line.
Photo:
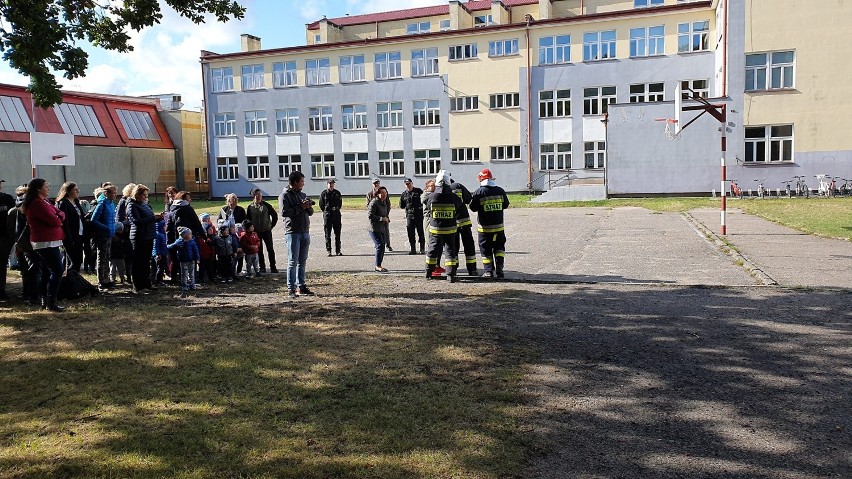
x=39 y=35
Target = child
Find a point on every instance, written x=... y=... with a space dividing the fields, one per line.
x=159 y=253
x=187 y=256
x=225 y=255
x=207 y=250
x=118 y=251
x=250 y=242
x=238 y=252
x=206 y=222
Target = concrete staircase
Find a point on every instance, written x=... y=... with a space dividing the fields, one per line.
x=580 y=189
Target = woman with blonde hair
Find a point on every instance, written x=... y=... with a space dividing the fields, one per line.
x=142 y=231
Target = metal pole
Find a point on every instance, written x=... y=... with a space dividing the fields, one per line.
x=724 y=170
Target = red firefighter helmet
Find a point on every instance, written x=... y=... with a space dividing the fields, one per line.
x=485 y=174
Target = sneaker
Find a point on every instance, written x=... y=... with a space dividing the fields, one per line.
x=412 y=252
x=273 y=269
x=440 y=270
x=262 y=270
x=451 y=278
x=487 y=274
x=305 y=292
x=390 y=249
x=292 y=294
x=500 y=274
x=339 y=253
x=329 y=254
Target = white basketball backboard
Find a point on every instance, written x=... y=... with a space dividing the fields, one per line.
x=52 y=149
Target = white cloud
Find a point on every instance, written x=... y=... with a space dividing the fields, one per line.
x=312 y=10
x=99 y=79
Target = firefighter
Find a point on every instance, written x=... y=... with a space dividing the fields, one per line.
x=442 y=204
x=489 y=201
x=330 y=202
x=410 y=201
x=464 y=236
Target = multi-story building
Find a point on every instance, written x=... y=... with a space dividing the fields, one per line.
x=557 y=95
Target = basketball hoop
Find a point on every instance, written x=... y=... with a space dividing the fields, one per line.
x=671 y=131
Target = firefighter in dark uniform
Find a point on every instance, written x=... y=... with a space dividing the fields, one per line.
x=489 y=201
x=465 y=233
x=410 y=201
x=442 y=204
x=330 y=202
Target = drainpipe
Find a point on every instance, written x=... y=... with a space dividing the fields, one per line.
x=725 y=52
x=210 y=163
x=529 y=105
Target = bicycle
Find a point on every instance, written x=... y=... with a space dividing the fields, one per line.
x=762 y=192
x=845 y=189
x=788 y=190
x=801 y=188
x=824 y=185
x=736 y=190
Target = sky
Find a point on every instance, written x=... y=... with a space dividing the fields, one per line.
x=165 y=57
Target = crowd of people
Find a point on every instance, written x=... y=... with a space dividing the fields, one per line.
x=123 y=241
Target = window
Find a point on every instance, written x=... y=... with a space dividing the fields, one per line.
x=700 y=87
x=465 y=154
x=424 y=62
x=138 y=125
x=252 y=77
x=444 y=25
x=388 y=65
x=781 y=66
x=596 y=100
x=227 y=169
x=283 y=74
x=418 y=28
x=319 y=118
x=225 y=124
x=201 y=176
x=463 y=52
x=506 y=152
x=595 y=154
x=352 y=69
x=499 y=101
x=647 y=41
x=288 y=164
x=76 y=119
x=554 y=103
x=255 y=122
x=354 y=117
x=317 y=72
x=502 y=48
x=322 y=166
x=258 y=167
x=553 y=50
x=779 y=138
x=356 y=165
x=426 y=113
x=287 y=121
x=598 y=45
x=464 y=103
x=223 y=79
x=483 y=21
x=427 y=162
x=554 y=156
x=647 y=3
x=645 y=92
x=389 y=115
x=13 y=116
x=693 y=37
x=391 y=163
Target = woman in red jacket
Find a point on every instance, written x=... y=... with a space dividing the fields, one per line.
x=46 y=235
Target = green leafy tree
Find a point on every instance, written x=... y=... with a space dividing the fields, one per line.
x=39 y=35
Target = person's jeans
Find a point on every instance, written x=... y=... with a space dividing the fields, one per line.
x=52 y=268
x=379 y=244
x=103 y=247
x=297 y=256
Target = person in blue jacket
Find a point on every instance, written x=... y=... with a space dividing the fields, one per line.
x=188 y=257
x=159 y=253
x=103 y=229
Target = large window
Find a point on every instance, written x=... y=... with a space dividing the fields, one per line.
x=76 y=119
x=288 y=164
x=501 y=48
x=227 y=169
x=648 y=3
x=317 y=72
x=255 y=122
x=391 y=163
x=319 y=118
x=646 y=92
x=554 y=156
x=553 y=50
x=464 y=103
x=506 y=152
x=596 y=100
x=463 y=52
x=354 y=117
x=779 y=65
x=283 y=74
x=356 y=165
x=424 y=62
x=258 y=167
x=201 y=176
x=598 y=45
x=426 y=113
x=595 y=154
x=388 y=65
x=778 y=137
x=352 y=69
x=693 y=36
x=427 y=162
x=700 y=87
x=287 y=121
x=554 y=103
x=138 y=124
x=252 y=77
x=389 y=115
x=461 y=155
x=499 y=101
x=225 y=124
x=418 y=28
x=322 y=166
x=223 y=79
x=648 y=41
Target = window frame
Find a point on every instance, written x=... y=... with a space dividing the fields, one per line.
x=384 y=68
x=320 y=119
x=554 y=49
x=317 y=71
x=554 y=103
x=464 y=103
x=464 y=155
x=419 y=28
x=288 y=164
x=554 y=156
x=686 y=38
x=324 y=168
x=257 y=168
x=498 y=48
x=599 y=48
x=509 y=152
x=772 y=143
x=600 y=101
x=255 y=122
x=762 y=76
x=426 y=113
x=597 y=150
x=389 y=117
x=284 y=74
x=392 y=163
x=650 y=92
x=503 y=100
x=467 y=51
x=426 y=163
x=288 y=118
x=227 y=170
x=648 y=3
x=355 y=118
x=356 y=165
x=253 y=78
x=223 y=78
x=424 y=62
x=224 y=124
x=350 y=70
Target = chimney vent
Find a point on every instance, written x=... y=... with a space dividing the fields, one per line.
x=249 y=43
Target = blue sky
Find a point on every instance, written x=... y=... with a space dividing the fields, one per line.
x=165 y=59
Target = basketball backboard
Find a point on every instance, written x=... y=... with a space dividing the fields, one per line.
x=52 y=149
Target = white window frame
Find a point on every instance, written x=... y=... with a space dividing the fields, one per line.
x=770 y=71
x=284 y=75
x=356 y=165
x=464 y=155
x=464 y=103
x=201 y=175
x=647 y=41
x=702 y=87
x=389 y=115
x=480 y=21
x=391 y=163
x=444 y=25
x=388 y=65
x=351 y=69
x=596 y=99
x=252 y=77
x=648 y=3
x=79 y=120
x=424 y=62
x=320 y=118
x=418 y=28
x=426 y=113
x=257 y=168
x=554 y=50
x=317 y=71
x=505 y=152
x=322 y=166
x=287 y=121
x=225 y=124
x=227 y=169
x=693 y=36
x=647 y=92
x=255 y=122
x=288 y=164
x=554 y=157
x=594 y=153
x=427 y=162
x=503 y=101
x=775 y=143
x=503 y=48
x=354 y=117
x=462 y=52
x=222 y=79
x=599 y=46
x=554 y=103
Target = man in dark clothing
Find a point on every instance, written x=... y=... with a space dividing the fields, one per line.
x=7 y=237
x=411 y=202
x=377 y=184
x=465 y=234
x=330 y=203
x=264 y=217
x=296 y=209
x=443 y=205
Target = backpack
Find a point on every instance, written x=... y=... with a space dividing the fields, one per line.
x=74 y=286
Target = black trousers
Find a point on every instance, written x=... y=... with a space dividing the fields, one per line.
x=266 y=239
x=448 y=244
x=415 y=225
x=466 y=236
x=74 y=251
x=492 y=247
x=5 y=250
x=140 y=275
x=332 y=222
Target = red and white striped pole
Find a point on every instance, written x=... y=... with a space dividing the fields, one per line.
x=724 y=170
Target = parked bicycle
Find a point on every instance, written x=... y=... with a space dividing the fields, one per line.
x=788 y=190
x=762 y=192
x=845 y=188
x=736 y=190
x=801 y=188
x=824 y=185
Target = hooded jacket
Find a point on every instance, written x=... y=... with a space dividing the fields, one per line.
x=182 y=214
x=103 y=217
